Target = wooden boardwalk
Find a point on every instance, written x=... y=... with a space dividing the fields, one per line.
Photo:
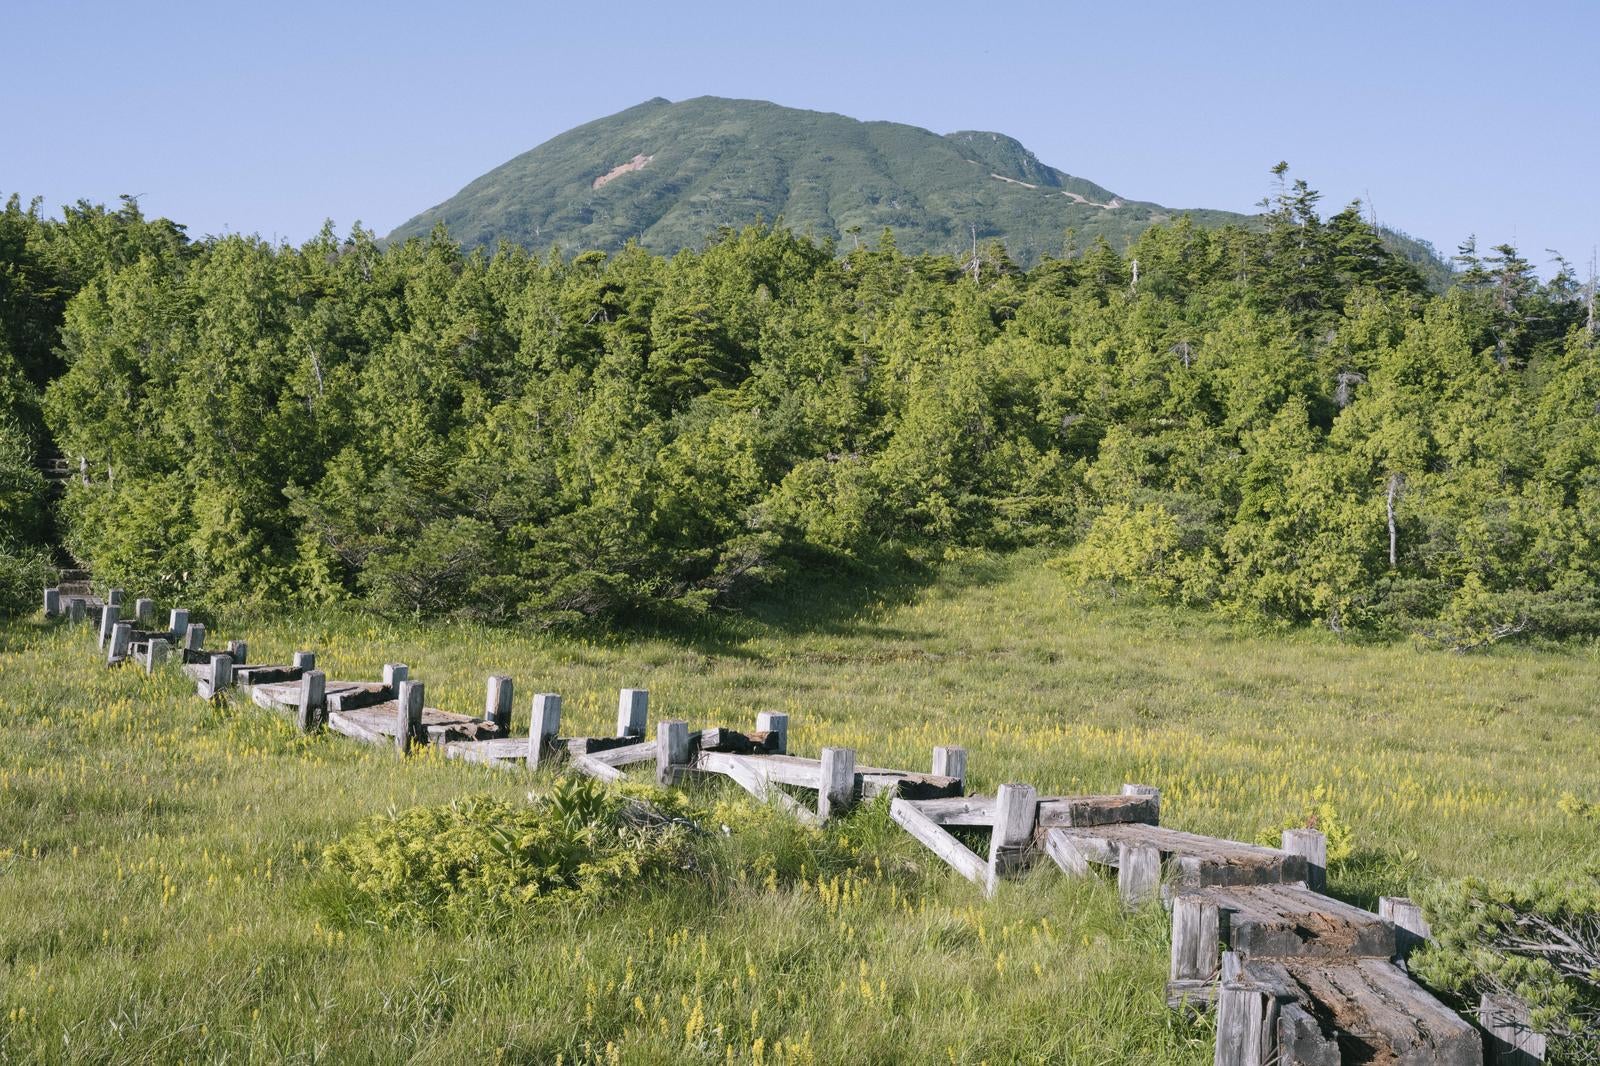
x=1294 y=975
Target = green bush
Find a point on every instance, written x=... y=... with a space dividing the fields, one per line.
x=1538 y=941
x=479 y=858
x=24 y=575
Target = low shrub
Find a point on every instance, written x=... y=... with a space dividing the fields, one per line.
x=482 y=858
x=1538 y=941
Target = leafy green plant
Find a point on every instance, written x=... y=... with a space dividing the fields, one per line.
x=480 y=857
x=1539 y=941
x=1321 y=815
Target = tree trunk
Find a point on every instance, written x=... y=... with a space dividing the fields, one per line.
x=1395 y=481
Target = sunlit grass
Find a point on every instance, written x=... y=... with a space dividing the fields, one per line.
x=159 y=856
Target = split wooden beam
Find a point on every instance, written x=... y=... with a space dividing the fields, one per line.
x=1281 y=1012
x=1141 y=852
x=1264 y=921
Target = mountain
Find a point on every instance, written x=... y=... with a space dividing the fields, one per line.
x=668 y=174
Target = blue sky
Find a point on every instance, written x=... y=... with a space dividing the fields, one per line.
x=1453 y=118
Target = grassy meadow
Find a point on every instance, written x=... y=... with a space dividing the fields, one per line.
x=160 y=858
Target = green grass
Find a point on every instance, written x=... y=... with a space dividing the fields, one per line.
x=159 y=857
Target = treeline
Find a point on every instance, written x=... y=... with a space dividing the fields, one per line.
x=1281 y=422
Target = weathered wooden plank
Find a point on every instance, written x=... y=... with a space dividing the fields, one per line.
x=836 y=790
x=598 y=745
x=464 y=727
x=312 y=707
x=109 y=616
x=264 y=674
x=216 y=676
x=342 y=696
x=1196 y=939
x=960 y=810
x=906 y=786
x=497 y=702
x=1066 y=853
x=1375 y=1003
x=155 y=653
x=1138 y=873
x=395 y=674
x=363 y=725
x=1509 y=1036
x=594 y=768
x=747 y=775
x=354 y=695
x=543 y=727
x=628 y=754
x=950 y=761
x=775 y=722
x=738 y=741
x=938 y=840
x=672 y=750
x=1200 y=860
x=1289 y=920
x=121 y=637
x=509 y=752
x=1312 y=846
x=1065 y=812
x=1016 y=809
x=1411 y=927
x=633 y=712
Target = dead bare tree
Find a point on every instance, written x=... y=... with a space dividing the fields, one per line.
x=1396 y=483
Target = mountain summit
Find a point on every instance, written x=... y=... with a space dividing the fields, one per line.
x=669 y=174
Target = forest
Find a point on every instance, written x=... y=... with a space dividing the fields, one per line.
x=1282 y=422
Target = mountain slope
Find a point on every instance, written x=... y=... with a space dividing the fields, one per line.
x=668 y=174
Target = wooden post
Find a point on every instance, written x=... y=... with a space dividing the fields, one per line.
x=76 y=609
x=1247 y=1022
x=305 y=660
x=155 y=653
x=52 y=602
x=144 y=611
x=218 y=676
x=497 y=702
x=194 y=637
x=394 y=675
x=178 y=623
x=1147 y=791
x=951 y=762
x=1509 y=1038
x=239 y=652
x=108 y=621
x=121 y=635
x=114 y=597
x=408 y=715
x=633 y=712
x=1312 y=844
x=1195 y=938
x=1016 y=809
x=1411 y=929
x=544 y=727
x=313 y=705
x=1138 y=873
x=837 y=789
x=672 y=749
x=775 y=722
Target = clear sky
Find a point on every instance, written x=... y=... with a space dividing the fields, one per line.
x=1453 y=118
